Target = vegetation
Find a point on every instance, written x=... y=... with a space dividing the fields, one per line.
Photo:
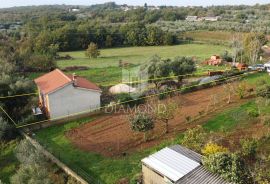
x=142 y=122
x=34 y=48
x=229 y=166
x=92 y=51
x=8 y=161
x=166 y=113
x=213 y=148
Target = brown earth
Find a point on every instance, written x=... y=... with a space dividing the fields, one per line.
x=111 y=135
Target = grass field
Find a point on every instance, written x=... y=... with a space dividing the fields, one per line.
x=140 y=55
x=105 y=70
x=110 y=170
x=8 y=161
x=209 y=35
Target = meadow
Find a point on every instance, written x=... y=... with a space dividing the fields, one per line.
x=105 y=69
x=140 y=55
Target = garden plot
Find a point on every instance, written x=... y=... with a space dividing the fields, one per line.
x=111 y=134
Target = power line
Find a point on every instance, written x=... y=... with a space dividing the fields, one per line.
x=8 y=116
x=99 y=108
x=20 y=95
x=139 y=81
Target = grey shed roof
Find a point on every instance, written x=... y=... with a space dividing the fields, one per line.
x=167 y=164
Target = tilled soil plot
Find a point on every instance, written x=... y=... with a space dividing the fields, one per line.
x=111 y=135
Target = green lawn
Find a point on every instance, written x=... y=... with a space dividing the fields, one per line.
x=107 y=170
x=140 y=55
x=8 y=161
x=231 y=118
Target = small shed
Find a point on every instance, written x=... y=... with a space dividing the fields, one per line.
x=177 y=165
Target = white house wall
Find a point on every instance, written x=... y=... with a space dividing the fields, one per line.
x=69 y=101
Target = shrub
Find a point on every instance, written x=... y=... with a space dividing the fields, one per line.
x=265 y=120
x=263 y=91
x=249 y=147
x=253 y=112
x=261 y=82
x=229 y=166
x=194 y=138
x=188 y=119
x=213 y=148
x=241 y=89
x=127 y=99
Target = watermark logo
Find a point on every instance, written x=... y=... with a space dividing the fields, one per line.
x=135 y=79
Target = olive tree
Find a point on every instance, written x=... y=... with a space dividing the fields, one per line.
x=181 y=66
x=165 y=113
x=31 y=174
x=142 y=122
x=158 y=69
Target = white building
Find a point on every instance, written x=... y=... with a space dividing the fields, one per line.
x=62 y=95
x=192 y=18
x=212 y=19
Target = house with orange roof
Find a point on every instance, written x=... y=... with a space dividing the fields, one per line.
x=62 y=95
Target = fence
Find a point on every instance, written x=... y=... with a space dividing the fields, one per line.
x=71 y=169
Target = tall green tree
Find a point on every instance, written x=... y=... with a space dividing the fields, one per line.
x=182 y=66
x=252 y=44
x=158 y=69
x=92 y=51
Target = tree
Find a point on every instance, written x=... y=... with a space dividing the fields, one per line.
x=182 y=66
x=27 y=154
x=31 y=174
x=141 y=122
x=253 y=43
x=168 y=39
x=166 y=113
x=6 y=130
x=12 y=84
x=229 y=166
x=92 y=51
x=158 y=69
x=226 y=56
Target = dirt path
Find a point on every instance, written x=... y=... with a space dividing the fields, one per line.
x=110 y=135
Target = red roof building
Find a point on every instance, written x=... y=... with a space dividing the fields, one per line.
x=63 y=95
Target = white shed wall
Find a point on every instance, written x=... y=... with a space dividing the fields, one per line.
x=70 y=100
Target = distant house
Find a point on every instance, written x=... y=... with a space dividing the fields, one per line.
x=192 y=18
x=177 y=165
x=215 y=60
x=62 y=95
x=212 y=19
